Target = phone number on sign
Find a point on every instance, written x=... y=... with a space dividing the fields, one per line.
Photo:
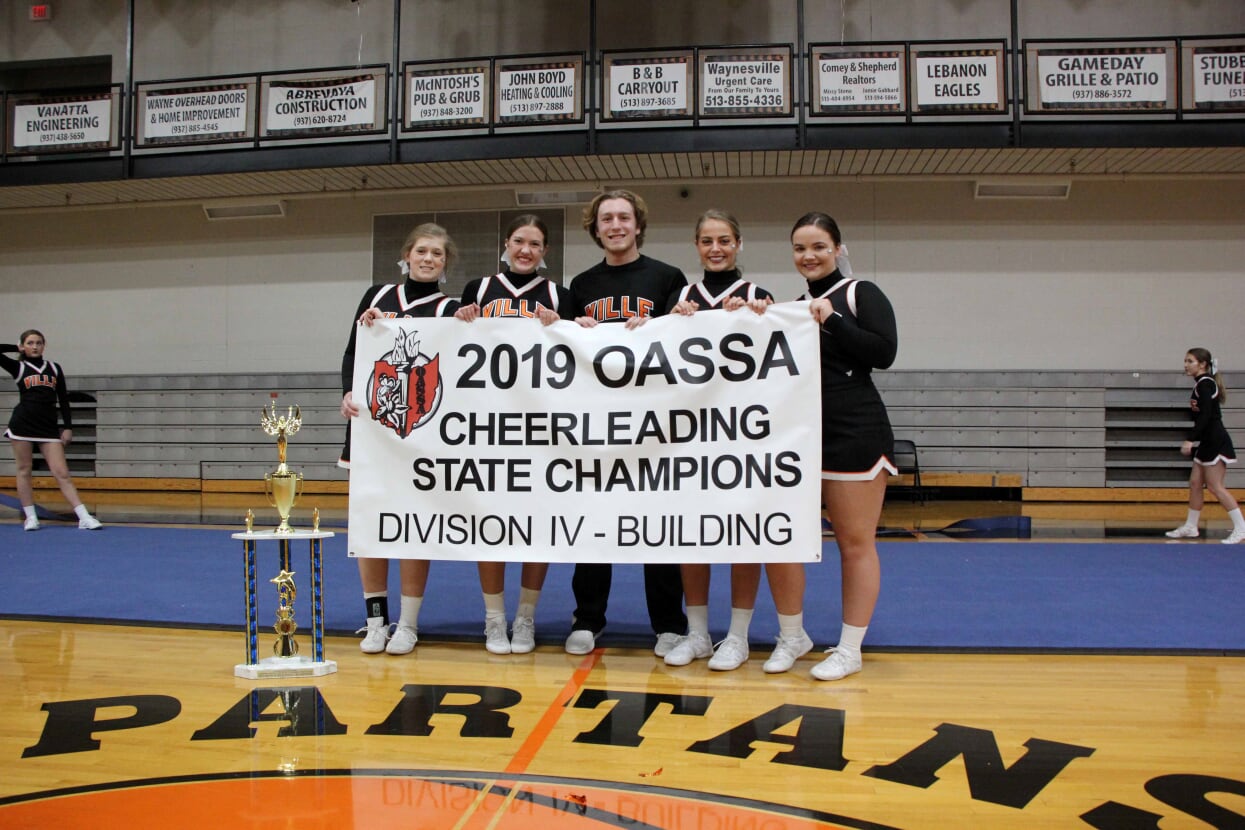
x=647 y=103
x=1101 y=94
x=743 y=101
x=61 y=138
x=429 y=113
x=537 y=107
x=187 y=129
x=319 y=120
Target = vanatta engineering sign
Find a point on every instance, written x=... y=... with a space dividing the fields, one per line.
x=62 y=124
x=693 y=438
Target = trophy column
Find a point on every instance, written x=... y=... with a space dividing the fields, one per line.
x=286 y=661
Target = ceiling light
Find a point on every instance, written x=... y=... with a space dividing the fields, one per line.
x=244 y=209
x=1021 y=189
x=537 y=198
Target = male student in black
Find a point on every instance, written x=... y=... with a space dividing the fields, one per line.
x=626 y=287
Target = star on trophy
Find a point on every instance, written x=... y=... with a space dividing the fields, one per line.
x=286 y=645
x=281 y=486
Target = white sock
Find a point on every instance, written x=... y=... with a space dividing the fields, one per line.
x=494 y=606
x=851 y=638
x=410 y=611
x=528 y=597
x=82 y=512
x=791 y=625
x=30 y=511
x=1238 y=521
x=1194 y=515
x=741 y=618
x=698 y=619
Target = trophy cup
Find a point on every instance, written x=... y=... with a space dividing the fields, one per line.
x=281 y=486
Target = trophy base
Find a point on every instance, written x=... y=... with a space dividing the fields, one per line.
x=279 y=667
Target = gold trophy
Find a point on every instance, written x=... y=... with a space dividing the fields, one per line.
x=285 y=646
x=281 y=486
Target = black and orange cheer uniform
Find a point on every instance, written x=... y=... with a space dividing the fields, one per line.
x=41 y=392
x=856 y=438
x=717 y=287
x=1208 y=433
x=518 y=295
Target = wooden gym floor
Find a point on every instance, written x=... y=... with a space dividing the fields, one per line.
x=116 y=726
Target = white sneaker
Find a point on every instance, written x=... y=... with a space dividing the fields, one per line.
x=495 y=639
x=788 y=650
x=837 y=666
x=1183 y=532
x=581 y=641
x=32 y=522
x=666 y=640
x=1235 y=537
x=695 y=646
x=523 y=635
x=403 y=640
x=375 y=638
x=89 y=523
x=730 y=654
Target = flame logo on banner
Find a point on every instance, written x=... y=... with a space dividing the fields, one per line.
x=405 y=388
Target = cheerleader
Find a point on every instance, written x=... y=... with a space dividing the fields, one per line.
x=41 y=390
x=1210 y=447
x=518 y=291
x=427 y=252
x=718 y=242
x=858 y=335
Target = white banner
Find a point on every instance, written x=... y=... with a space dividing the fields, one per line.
x=1218 y=76
x=639 y=87
x=62 y=123
x=451 y=95
x=733 y=83
x=301 y=105
x=857 y=80
x=533 y=92
x=199 y=113
x=944 y=80
x=1108 y=79
x=687 y=439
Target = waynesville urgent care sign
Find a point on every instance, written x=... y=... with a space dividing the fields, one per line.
x=686 y=439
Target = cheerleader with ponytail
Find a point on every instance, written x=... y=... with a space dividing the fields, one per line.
x=1210 y=446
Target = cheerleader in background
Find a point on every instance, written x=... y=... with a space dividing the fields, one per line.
x=41 y=389
x=1210 y=446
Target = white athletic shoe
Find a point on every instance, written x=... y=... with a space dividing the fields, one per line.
x=730 y=654
x=694 y=646
x=523 y=635
x=666 y=640
x=837 y=666
x=403 y=640
x=581 y=641
x=89 y=523
x=1235 y=538
x=32 y=522
x=1183 y=532
x=495 y=639
x=788 y=650
x=377 y=633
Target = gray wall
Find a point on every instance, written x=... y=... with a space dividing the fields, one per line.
x=1124 y=275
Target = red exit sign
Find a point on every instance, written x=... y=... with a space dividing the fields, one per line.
x=41 y=11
